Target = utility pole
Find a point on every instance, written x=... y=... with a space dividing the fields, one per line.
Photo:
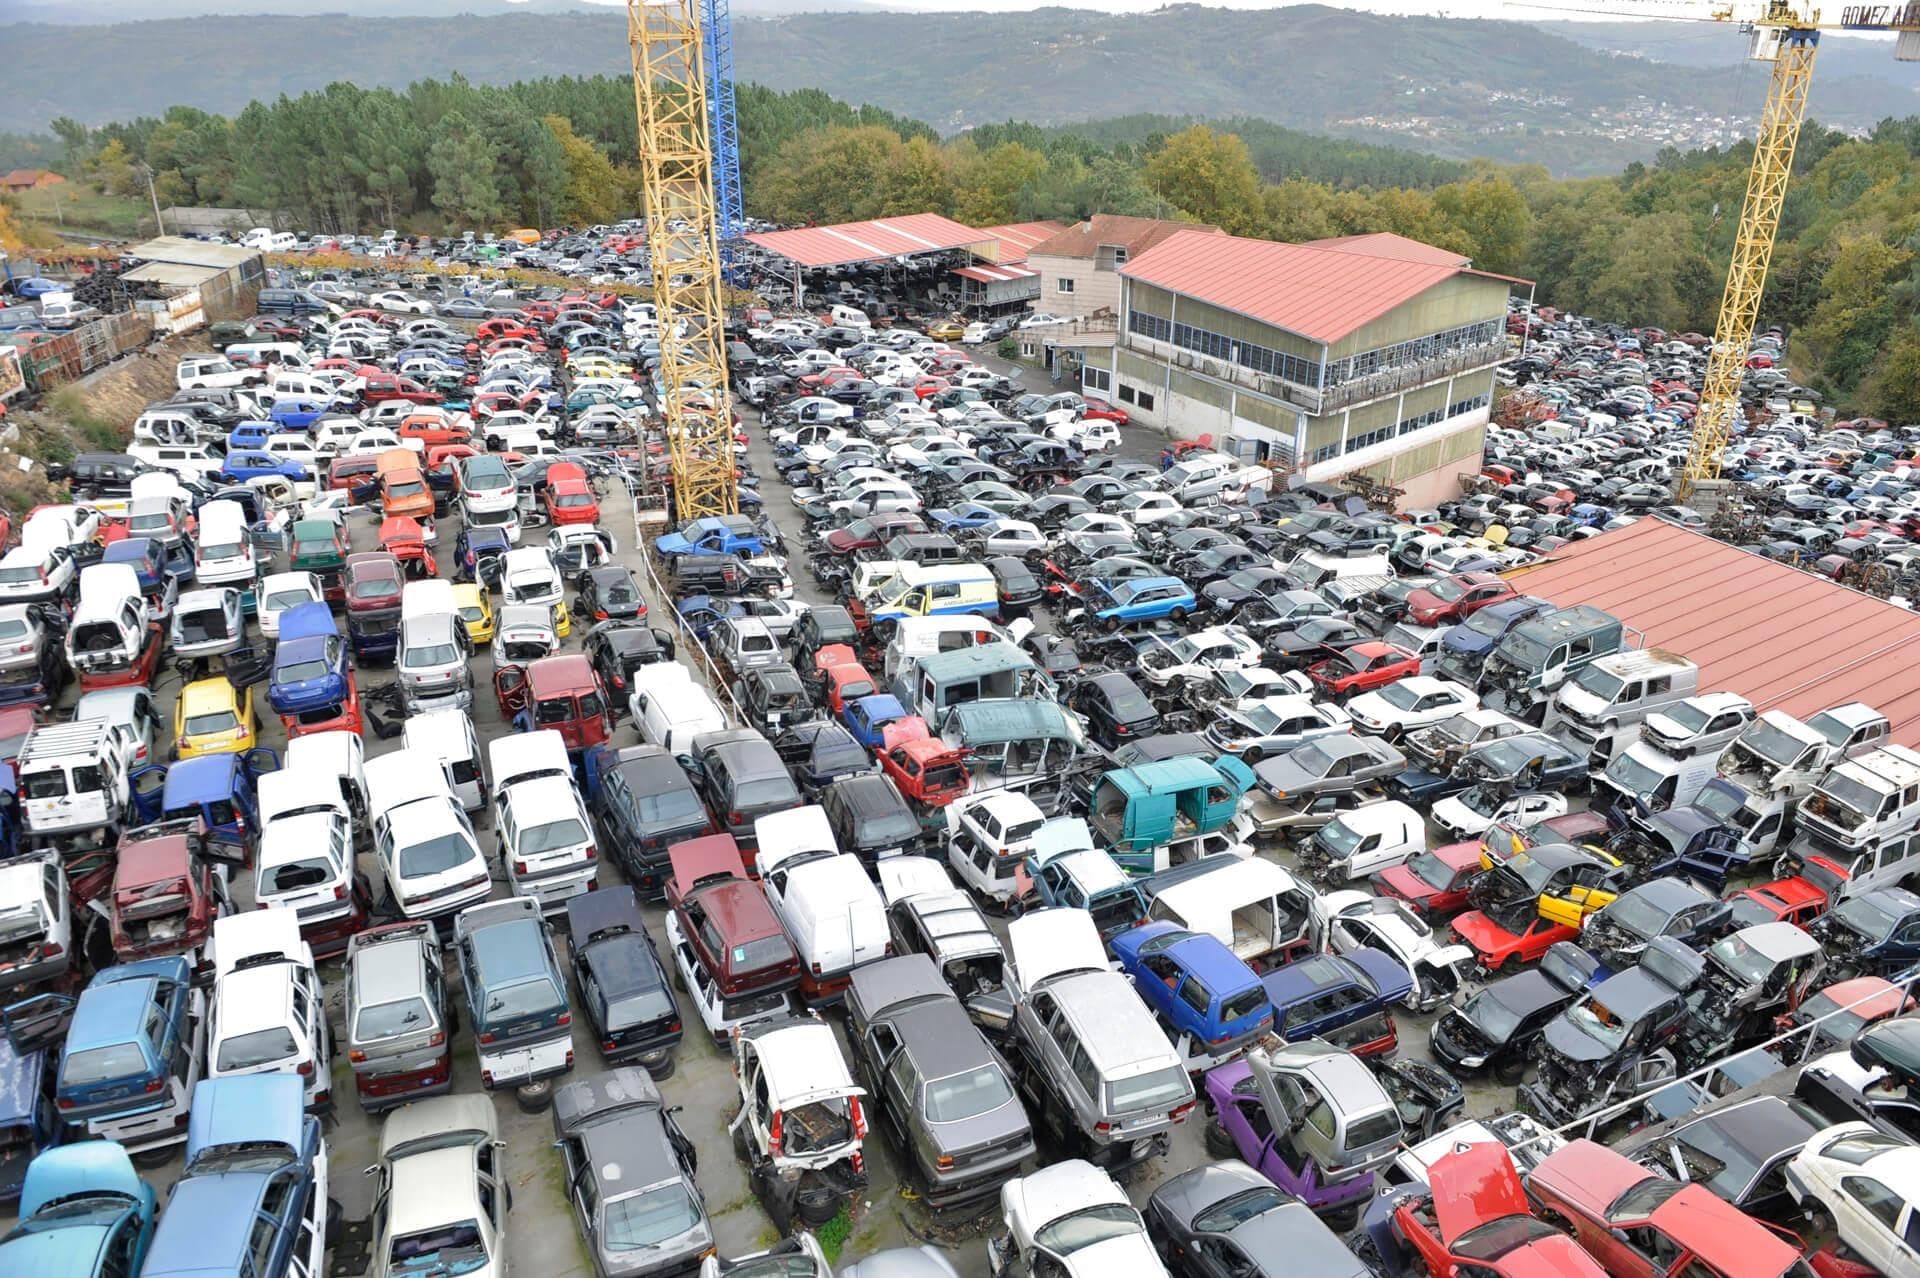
x=146 y=174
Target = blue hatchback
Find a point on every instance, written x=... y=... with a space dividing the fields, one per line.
x=84 y=1213
x=1197 y=985
x=867 y=718
x=1118 y=603
x=309 y=664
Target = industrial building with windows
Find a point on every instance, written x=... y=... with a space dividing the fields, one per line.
x=1368 y=354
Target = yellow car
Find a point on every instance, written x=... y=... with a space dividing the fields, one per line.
x=562 y=619
x=476 y=610
x=946 y=331
x=213 y=717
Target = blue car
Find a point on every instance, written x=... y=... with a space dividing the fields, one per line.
x=1876 y=933
x=29 y=1121
x=867 y=717
x=250 y=435
x=474 y=548
x=1119 y=603
x=249 y=1196
x=148 y=558
x=1195 y=984
x=128 y=1065
x=1346 y=999
x=961 y=518
x=297 y=412
x=36 y=286
x=1471 y=640
x=84 y=1213
x=713 y=535
x=218 y=790
x=239 y=467
x=310 y=676
x=702 y=613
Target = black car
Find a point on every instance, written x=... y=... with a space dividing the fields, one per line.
x=1116 y=710
x=641 y=799
x=743 y=779
x=1054 y=654
x=1739 y=1151
x=1020 y=590
x=1217 y=564
x=869 y=818
x=773 y=698
x=1672 y=907
x=618 y=648
x=610 y=593
x=1314 y=639
x=819 y=626
x=1249 y=582
x=1226 y=1220
x=1497 y=1024
x=623 y=988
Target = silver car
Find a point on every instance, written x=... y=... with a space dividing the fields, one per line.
x=400 y=1024
x=433 y=663
x=629 y=1174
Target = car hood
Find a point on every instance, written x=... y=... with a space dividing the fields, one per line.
x=1128 y=1254
x=1573 y=1044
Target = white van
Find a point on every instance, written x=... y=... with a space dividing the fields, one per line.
x=824 y=899
x=849 y=317
x=108 y=632
x=447 y=734
x=917 y=637
x=71 y=777
x=933 y=590
x=286 y=355
x=1251 y=905
x=674 y=715
x=427 y=597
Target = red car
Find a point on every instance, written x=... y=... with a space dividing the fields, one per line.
x=1641 y=1224
x=348 y=473
x=925 y=769
x=1362 y=668
x=1456 y=598
x=847 y=683
x=1494 y=946
x=1798 y=899
x=385 y=386
x=722 y=929
x=1476 y=1220
x=1101 y=410
x=1433 y=883
x=872 y=532
x=568 y=496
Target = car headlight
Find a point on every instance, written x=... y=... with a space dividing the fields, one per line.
x=1472 y=1062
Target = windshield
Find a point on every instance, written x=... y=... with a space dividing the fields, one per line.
x=1597 y=681
x=1741 y=959
x=102 y=1064
x=649 y=1217
x=435 y=856
x=447 y=1252
x=428 y=656
x=1770 y=743
x=966 y=1095
x=523 y=998
x=1447 y=590
x=16 y=575
x=1160 y=1089
x=1487 y=622
x=1689 y=716
x=1399 y=696
x=1085 y=1228
x=1486 y=1013
x=1598 y=1022
x=1496 y=1238
x=249 y=1051
x=1867 y=916
x=301 y=671
x=389 y=1020
x=207 y=724
x=1637 y=914
x=553 y=836
x=1430 y=870
x=1631 y=775
x=222 y=550
x=281 y=600
x=292 y=876
x=374 y=588
x=1311 y=759
x=1338 y=838
x=1523 y=649
x=1841 y=789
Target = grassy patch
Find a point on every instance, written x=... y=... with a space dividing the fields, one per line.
x=76 y=206
x=833 y=1235
x=70 y=404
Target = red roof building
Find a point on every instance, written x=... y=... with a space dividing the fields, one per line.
x=29 y=180
x=1784 y=639
x=878 y=240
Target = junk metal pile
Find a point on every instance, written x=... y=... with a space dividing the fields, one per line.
x=1067 y=799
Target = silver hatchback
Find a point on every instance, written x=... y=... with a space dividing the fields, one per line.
x=400 y=1024
x=433 y=663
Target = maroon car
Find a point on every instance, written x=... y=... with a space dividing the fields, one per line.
x=733 y=955
x=1456 y=598
x=1433 y=883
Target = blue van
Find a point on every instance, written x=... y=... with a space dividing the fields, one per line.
x=1194 y=983
x=29 y=1121
x=134 y=1051
x=253 y=1196
x=84 y=1213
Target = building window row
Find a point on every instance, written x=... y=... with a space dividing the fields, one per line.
x=1468 y=405
x=1417 y=351
x=1063 y=285
x=1096 y=379
x=1143 y=398
x=1406 y=427
x=1258 y=359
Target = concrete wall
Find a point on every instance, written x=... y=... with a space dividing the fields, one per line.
x=1093 y=290
x=1452 y=303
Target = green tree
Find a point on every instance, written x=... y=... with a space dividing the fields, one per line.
x=831 y=175
x=1209 y=176
x=1494 y=218
x=919 y=179
x=989 y=187
x=593 y=191
x=1892 y=390
x=76 y=137
x=461 y=164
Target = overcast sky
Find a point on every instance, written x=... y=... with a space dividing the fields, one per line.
x=1511 y=9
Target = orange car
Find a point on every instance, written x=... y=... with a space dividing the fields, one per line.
x=403 y=488
x=569 y=497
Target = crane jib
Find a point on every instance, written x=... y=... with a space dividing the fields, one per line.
x=1880 y=16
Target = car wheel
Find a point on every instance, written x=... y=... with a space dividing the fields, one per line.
x=335 y=1214
x=816 y=1204
x=1252 y=755
x=534 y=1098
x=662 y=1069
x=1111 y=625
x=1177 y=615
x=148 y=1159
x=1509 y=1071
x=1219 y=1143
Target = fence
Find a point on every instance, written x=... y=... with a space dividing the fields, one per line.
x=73 y=355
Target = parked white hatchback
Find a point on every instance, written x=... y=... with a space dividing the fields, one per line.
x=1869 y=1182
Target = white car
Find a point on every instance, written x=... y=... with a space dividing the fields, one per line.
x=282 y=591
x=396 y=301
x=1418 y=701
x=1349 y=920
x=1070 y=1220
x=1042 y=318
x=305 y=864
x=1200 y=655
x=1149 y=508
x=1474 y=811
x=1869 y=1182
x=268 y=1011
x=442 y=1185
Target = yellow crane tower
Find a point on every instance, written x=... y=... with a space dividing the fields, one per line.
x=1785 y=33
x=683 y=244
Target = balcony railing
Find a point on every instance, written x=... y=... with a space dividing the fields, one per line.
x=1310 y=400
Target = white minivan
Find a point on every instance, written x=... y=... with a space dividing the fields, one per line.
x=448 y=735
x=822 y=897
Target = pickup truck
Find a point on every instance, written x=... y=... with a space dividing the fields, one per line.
x=713 y=535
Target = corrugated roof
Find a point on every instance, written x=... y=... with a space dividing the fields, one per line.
x=1784 y=638
x=1016 y=238
x=1397 y=247
x=1320 y=293
x=174 y=274
x=874 y=241
x=999 y=274
x=1134 y=234
x=175 y=248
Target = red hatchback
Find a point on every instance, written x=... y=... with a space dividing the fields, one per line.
x=568 y=496
x=560 y=692
x=1433 y=883
x=1456 y=598
x=732 y=953
x=1476 y=1220
x=1362 y=668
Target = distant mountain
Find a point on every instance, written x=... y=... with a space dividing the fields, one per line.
x=1456 y=88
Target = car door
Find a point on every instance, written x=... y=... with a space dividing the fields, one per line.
x=1877 y=1222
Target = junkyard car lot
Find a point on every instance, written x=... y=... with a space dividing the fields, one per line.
x=1096 y=1066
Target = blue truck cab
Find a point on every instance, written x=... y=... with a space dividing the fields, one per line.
x=1464 y=648
x=310 y=675
x=1194 y=983
x=713 y=535
x=1068 y=870
x=84 y=1213
x=253 y=1196
x=135 y=1049
x=220 y=790
x=516 y=993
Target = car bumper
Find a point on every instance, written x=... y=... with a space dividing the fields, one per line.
x=378 y=1091
x=974 y=1183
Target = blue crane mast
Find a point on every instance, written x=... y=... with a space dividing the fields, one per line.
x=723 y=124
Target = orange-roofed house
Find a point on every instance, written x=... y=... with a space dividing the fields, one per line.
x=29 y=180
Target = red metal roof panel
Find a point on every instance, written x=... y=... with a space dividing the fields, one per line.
x=1785 y=639
x=873 y=241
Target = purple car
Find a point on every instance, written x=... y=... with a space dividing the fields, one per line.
x=1241 y=1126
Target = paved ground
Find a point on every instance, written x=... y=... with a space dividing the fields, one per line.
x=542 y=1237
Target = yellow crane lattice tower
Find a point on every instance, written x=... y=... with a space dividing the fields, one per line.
x=683 y=243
